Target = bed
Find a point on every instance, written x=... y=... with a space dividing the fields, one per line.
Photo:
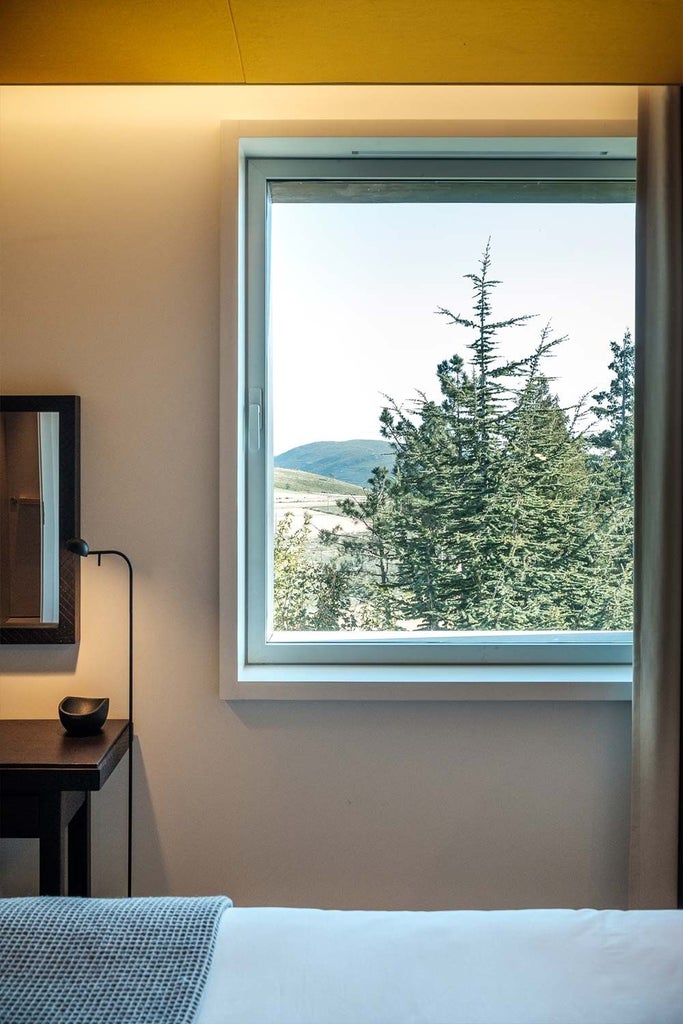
x=296 y=966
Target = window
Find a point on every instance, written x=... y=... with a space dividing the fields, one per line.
x=438 y=410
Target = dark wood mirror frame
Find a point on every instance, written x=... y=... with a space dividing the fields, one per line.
x=67 y=629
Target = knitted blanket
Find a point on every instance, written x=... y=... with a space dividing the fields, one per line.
x=65 y=960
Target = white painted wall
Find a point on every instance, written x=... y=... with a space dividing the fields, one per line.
x=110 y=213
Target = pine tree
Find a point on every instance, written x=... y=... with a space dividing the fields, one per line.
x=438 y=502
x=448 y=463
x=376 y=600
x=490 y=377
x=497 y=515
x=612 y=462
x=544 y=518
x=614 y=409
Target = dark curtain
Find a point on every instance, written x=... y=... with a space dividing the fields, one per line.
x=656 y=842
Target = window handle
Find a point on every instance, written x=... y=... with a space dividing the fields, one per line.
x=255 y=418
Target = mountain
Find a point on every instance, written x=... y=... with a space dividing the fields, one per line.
x=352 y=461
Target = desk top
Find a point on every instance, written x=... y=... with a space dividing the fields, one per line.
x=37 y=753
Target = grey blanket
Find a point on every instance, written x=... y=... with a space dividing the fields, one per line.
x=104 y=961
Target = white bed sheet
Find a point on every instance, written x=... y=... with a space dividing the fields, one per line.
x=285 y=966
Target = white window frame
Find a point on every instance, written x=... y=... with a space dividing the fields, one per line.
x=509 y=666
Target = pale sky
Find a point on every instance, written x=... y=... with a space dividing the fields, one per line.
x=354 y=290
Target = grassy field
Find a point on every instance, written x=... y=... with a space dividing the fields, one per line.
x=297 y=480
x=300 y=495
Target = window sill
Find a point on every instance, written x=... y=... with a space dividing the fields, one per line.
x=445 y=682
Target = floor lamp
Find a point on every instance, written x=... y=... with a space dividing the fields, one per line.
x=79 y=547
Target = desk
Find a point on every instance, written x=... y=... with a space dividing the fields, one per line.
x=46 y=778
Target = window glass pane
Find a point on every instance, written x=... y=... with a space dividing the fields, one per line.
x=452 y=400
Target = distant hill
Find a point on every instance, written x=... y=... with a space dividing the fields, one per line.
x=352 y=461
x=310 y=483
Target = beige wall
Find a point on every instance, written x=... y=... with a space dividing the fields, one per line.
x=111 y=214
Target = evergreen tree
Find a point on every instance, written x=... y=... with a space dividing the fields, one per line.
x=544 y=519
x=497 y=520
x=448 y=463
x=490 y=376
x=614 y=409
x=376 y=599
x=439 y=502
x=308 y=594
x=612 y=461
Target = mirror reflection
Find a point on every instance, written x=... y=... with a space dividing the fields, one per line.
x=39 y=512
x=29 y=518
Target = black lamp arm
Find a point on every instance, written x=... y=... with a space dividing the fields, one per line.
x=112 y=551
x=128 y=562
x=80 y=547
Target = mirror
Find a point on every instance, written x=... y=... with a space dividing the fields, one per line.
x=39 y=512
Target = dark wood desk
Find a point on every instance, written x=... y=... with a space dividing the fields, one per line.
x=46 y=778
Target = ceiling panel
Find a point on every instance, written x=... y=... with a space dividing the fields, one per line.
x=117 y=41
x=341 y=41
x=461 y=41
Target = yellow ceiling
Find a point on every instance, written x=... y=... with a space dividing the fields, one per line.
x=341 y=41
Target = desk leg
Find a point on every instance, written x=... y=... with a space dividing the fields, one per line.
x=52 y=847
x=79 y=850
x=62 y=814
